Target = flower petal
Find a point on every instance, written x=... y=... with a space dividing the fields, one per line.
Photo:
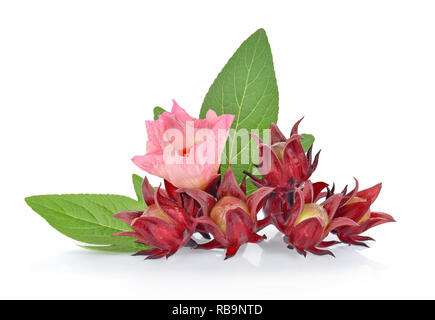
x=155 y=136
x=151 y=163
x=180 y=113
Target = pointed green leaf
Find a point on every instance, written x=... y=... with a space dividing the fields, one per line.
x=247 y=88
x=137 y=183
x=88 y=218
x=158 y=111
x=307 y=141
x=130 y=247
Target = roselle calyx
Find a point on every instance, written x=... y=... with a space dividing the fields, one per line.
x=190 y=206
x=284 y=166
x=154 y=211
x=278 y=149
x=310 y=221
x=230 y=216
x=313 y=210
x=356 y=205
x=219 y=211
x=164 y=225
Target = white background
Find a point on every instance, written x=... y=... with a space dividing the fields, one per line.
x=79 y=78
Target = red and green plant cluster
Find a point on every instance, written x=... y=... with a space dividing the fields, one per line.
x=305 y=212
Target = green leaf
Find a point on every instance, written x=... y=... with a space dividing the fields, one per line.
x=88 y=218
x=307 y=141
x=137 y=183
x=158 y=111
x=247 y=88
x=130 y=247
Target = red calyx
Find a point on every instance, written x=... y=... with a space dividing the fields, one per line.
x=357 y=206
x=308 y=223
x=164 y=225
x=230 y=217
x=283 y=166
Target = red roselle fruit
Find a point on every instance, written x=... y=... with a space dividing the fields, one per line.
x=190 y=206
x=230 y=217
x=284 y=166
x=356 y=205
x=164 y=225
x=308 y=223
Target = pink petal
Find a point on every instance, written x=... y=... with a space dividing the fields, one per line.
x=191 y=176
x=211 y=116
x=155 y=132
x=180 y=113
x=151 y=163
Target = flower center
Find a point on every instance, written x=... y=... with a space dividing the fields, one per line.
x=185 y=152
x=220 y=209
x=312 y=210
x=188 y=145
x=154 y=211
x=366 y=215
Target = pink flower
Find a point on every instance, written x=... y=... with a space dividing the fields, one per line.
x=184 y=150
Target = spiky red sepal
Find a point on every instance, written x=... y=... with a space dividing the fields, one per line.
x=356 y=205
x=164 y=225
x=235 y=222
x=283 y=166
x=308 y=235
